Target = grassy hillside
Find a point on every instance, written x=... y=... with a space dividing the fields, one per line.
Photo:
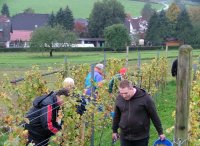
x=80 y=8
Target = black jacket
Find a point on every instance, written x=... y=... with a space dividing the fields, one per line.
x=42 y=117
x=133 y=116
x=174 y=68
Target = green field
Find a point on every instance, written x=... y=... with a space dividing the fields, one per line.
x=80 y=8
x=26 y=59
x=16 y=63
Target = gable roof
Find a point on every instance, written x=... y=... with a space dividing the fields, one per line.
x=139 y=24
x=22 y=35
x=24 y=21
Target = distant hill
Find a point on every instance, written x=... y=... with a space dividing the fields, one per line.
x=80 y=8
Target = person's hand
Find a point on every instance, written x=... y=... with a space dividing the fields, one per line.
x=162 y=137
x=115 y=136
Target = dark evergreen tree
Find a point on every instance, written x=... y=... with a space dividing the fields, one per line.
x=105 y=13
x=163 y=26
x=147 y=11
x=5 y=10
x=68 y=19
x=196 y=36
x=153 y=31
x=184 y=28
x=52 y=20
x=60 y=16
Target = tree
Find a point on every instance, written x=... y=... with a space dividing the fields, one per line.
x=184 y=28
x=105 y=13
x=60 y=16
x=116 y=36
x=65 y=18
x=194 y=13
x=50 y=38
x=29 y=11
x=52 y=20
x=160 y=28
x=5 y=10
x=173 y=12
x=152 y=34
x=164 y=27
x=80 y=29
x=147 y=11
x=172 y=15
x=68 y=20
x=196 y=36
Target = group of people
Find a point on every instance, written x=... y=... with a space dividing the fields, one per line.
x=134 y=108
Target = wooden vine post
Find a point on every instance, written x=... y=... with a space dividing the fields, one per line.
x=184 y=73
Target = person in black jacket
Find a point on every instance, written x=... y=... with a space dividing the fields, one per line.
x=43 y=117
x=174 y=68
x=133 y=110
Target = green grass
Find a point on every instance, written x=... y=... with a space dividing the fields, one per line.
x=15 y=64
x=3 y=138
x=26 y=59
x=166 y=104
x=80 y=8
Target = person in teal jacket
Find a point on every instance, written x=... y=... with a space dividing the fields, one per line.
x=121 y=75
x=98 y=78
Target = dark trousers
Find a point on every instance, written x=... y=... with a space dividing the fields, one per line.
x=142 y=142
x=43 y=142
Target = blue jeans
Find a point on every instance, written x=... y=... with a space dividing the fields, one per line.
x=142 y=142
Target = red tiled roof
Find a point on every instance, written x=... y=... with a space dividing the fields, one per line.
x=22 y=35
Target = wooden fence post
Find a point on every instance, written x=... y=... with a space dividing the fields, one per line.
x=92 y=95
x=66 y=68
x=183 y=95
x=139 y=83
x=104 y=63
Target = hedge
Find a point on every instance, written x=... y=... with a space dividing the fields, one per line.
x=12 y=49
x=89 y=49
